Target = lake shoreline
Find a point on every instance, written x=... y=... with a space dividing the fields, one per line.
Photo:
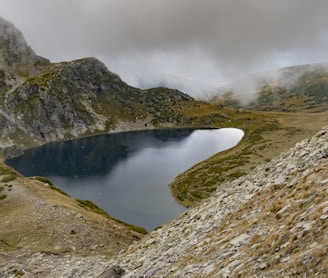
x=127 y=144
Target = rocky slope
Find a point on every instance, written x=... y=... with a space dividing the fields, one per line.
x=42 y=102
x=293 y=89
x=270 y=223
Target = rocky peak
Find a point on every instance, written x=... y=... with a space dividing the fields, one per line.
x=15 y=53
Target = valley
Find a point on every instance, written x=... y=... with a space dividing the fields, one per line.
x=45 y=233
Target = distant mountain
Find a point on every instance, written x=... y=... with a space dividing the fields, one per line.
x=42 y=102
x=292 y=89
x=147 y=78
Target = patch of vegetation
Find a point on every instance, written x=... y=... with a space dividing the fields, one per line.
x=9 y=178
x=3 y=196
x=274 y=209
x=93 y=207
x=43 y=179
x=3 y=170
x=257 y=134
x=51 y=185
x=138 y=229
x=19 y=272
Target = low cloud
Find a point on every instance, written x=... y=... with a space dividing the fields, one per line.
x=210 y=41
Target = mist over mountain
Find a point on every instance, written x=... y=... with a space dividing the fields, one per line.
x=291 y=89
x=146 y=78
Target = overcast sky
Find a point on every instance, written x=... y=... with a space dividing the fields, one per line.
x=146 y=41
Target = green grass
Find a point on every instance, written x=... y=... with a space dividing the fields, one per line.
x=3 y=196
x=19 y=272
x=92 y=206
x=51 y=185
x=9 y=178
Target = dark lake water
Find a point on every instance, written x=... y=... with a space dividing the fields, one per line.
x=126 y=174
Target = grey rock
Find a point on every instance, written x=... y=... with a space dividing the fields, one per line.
x=114 y=272
x=324 y=216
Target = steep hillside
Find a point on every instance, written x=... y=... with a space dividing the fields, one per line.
x=42 y=102
x=299 y=88
x=81 y=98
x=270 y=223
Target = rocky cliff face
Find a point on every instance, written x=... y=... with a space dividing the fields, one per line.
x=42 y=102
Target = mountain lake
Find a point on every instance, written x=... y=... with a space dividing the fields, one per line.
x=127 y=174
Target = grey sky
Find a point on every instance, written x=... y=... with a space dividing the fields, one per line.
x=210 y=41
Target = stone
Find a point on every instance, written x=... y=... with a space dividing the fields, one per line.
x=285 y=259
x=324 y=216
x=114 y=272
x=241 y=239
x=224 y=272
x=263 y=266
x=325 y=210
x=208 y=269
x=324 y=182
x=280 y=180
x=284 y=209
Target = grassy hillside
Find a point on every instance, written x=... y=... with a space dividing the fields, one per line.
x=266 y=135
